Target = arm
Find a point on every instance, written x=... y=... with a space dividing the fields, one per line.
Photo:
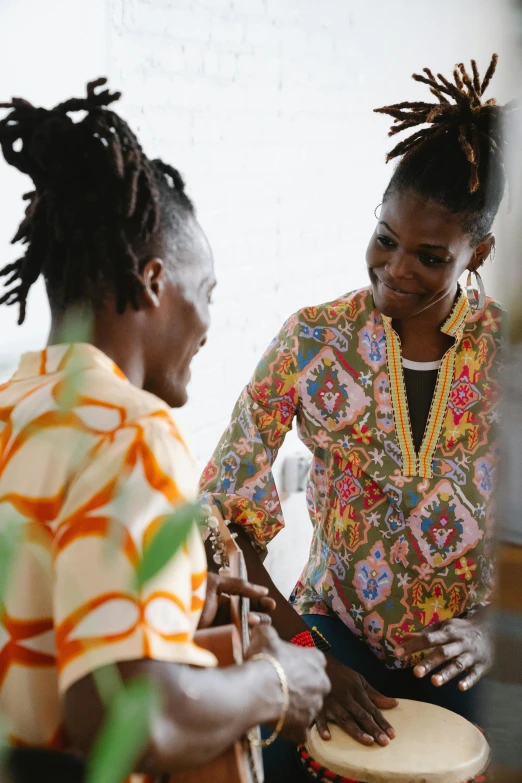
x=204 y=710
x=285 y=619
x=239 y=481
x=261 y=418
x=239 y=478
x=352 y=702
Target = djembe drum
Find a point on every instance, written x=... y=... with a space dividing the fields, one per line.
x=432 y=745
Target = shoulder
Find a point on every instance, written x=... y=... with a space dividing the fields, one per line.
x=492 y=319
x=136 y=427
x=116 y=391
x=321 y=321
x=346 y=308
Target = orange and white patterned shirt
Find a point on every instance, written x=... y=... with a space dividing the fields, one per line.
x=89 y=467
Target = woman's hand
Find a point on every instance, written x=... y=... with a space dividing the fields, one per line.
x=355 y=706
x=216 y=608
x=464 y=644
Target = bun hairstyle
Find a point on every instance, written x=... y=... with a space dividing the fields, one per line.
x=97 y=202
x=458 y=160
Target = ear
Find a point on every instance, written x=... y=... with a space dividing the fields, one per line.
x=153 y=275
x=481 y=252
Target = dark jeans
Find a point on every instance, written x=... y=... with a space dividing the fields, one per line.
x=281 y=765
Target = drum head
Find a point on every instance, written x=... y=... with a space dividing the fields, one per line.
x=432 y=745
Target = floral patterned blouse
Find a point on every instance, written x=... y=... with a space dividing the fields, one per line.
x=401 y=539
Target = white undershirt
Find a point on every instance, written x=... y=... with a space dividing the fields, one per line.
x=409 y=365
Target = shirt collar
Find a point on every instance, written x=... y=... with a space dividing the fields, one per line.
x=455 y=323
x=71 y=357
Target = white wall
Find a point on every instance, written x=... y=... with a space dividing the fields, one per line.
x=266 y=108
x=49 y=51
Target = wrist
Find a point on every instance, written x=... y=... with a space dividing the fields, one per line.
x=285 y=691
x=268 y=698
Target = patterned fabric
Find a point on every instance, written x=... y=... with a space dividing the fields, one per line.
x=401 y=540
x=89 y=467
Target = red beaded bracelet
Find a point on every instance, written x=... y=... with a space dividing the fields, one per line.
x=303 y=639
x=313 y=638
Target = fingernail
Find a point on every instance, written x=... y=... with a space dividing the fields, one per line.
x=368 y=737
x=437 y=679
x=391 y=733
x=464 y=685
x=383 y=738
x=264 y=590
x=255 y=619
x=420 y=671
x=399 y=652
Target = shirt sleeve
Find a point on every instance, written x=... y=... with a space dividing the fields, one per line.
x=239 y=477
x=133 y=481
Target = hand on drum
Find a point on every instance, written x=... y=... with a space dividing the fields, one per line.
x=355 y=706
x=464 y=644
x=217 y=607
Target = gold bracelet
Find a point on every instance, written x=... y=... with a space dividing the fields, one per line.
x=253 y=739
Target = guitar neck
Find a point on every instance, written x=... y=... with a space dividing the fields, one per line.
x=240 y=606
x=244 y=629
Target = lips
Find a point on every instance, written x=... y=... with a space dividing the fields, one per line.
x=399 y=291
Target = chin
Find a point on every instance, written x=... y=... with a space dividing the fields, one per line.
x=177 y=397
x=173 y=394
x=392 y=310
x=390 y=305
x=385 y=307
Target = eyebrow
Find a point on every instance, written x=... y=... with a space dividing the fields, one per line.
x=424 y=244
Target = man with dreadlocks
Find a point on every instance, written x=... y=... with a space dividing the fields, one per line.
x=91 y=460
x=393 y=389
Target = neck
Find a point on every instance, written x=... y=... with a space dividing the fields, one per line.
x=116 y=335
x=421 y=336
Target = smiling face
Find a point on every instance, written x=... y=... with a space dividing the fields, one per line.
x=177 y=326
x=416 y=255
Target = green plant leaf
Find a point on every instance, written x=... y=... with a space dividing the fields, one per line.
x=108 y=682
x=76 y=326
x=171 y=535
x=10 y=541
x=125 y=732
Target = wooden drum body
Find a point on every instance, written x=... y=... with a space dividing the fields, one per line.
x=432 y=745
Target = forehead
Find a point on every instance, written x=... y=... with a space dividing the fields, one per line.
x=194 y=253
x=420 y=220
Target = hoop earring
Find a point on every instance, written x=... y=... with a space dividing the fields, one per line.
x=493 y=254
x=375 y=211
x=476 y=296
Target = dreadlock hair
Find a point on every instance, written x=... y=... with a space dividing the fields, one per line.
x=459 y=159
x=97 y=202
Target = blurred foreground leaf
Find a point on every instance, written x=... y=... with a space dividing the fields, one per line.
x=108 y=682
x=5 y=746
x=125 y=732
x=10 y=541
x=76 y=326
x=171 y=535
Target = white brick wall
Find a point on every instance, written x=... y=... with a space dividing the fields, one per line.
x=266 y=108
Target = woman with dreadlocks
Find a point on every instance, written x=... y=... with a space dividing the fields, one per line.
x=393 y=390
x=91 y=461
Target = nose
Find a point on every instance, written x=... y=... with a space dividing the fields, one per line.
x=400 y=266
x=203 y=341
